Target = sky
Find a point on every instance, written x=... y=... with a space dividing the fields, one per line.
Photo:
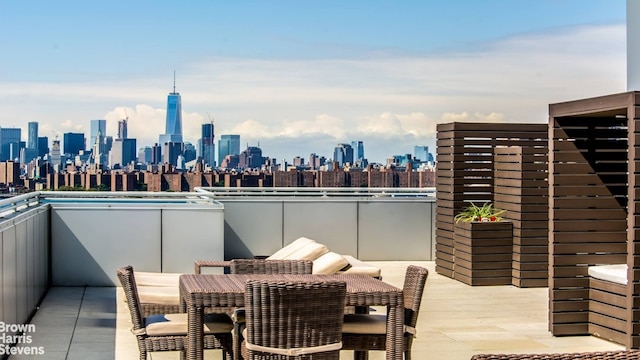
x=300 y=77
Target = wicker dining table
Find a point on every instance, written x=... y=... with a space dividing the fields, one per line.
x=198 y=292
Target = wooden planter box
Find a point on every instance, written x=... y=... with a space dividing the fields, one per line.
x=483 y=252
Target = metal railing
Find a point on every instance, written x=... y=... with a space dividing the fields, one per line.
x=321 y=192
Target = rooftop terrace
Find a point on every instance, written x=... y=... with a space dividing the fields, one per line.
x=456 y=322
x=67 y=249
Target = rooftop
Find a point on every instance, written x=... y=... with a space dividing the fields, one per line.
x=456 y=322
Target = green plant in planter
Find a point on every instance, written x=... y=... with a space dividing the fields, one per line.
x=486 y=213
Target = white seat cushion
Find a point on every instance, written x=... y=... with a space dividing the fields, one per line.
x=364 y=324
x=310 y=251
x=289 y=249
x=329 y=263
x=157 y=279
x=176 y=324
x=159 y=295
x=360 y=267
x=615 y=273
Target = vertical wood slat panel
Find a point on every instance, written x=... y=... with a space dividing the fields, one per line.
x=521 y=188
x=592 y=166
x=465 y=172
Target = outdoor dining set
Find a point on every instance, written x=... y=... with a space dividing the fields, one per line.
x=272 y=309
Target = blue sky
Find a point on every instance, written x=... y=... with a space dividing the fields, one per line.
x=299 y=77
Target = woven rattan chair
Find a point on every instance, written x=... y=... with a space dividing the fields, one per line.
x=261 y=266
x=605 y=355
x=168 y=332
x=364 y=332
x=293 y=320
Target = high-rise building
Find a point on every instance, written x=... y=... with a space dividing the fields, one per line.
x=208 y=151
x=156 y=154
x=298 y=161
x=73 y=143
x=98 y=150
x=56 y=158
x=173 y=126
x=421 y=152
x=144 y=155
x=251 y=158
x=189 y=152
x=122 y=129
x=343 y=154
x=171 y=151
x=43 y=145
x=97 y=126
x=123 y=152
x=9 y=140
x=32 y=140
x=228 y=145
x=358 y=150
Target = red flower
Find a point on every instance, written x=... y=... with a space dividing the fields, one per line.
x=493 y=218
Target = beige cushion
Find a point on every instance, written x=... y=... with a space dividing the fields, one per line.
x=329 y=263
x=157 y=279
x=360 y=267
x=289 y=249
x=176 y=324
x=310 y=251
x=364 y=324
x=159 y=295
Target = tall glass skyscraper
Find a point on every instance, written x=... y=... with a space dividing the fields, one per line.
x=358 y=150
x=228 y=145
x=421 y=152
x=173 y=127
x=208 y=146
x=9 y=140
x=73 y=143
x=343 y=154
x=32 y=139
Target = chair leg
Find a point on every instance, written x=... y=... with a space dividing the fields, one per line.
x=360 y=355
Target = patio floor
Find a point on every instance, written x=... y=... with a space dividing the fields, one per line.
x=456 y=322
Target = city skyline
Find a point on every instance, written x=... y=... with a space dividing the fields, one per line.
x=301 y=78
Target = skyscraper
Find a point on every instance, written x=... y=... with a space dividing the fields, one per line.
x=97 y=126
x=73 y=143
x=173 y=127
x=144 y=155
x=228 y=145
x=358 y=150
x=43 y=145
x=9 y=137
x=171 y=151
x=343 y=154
x=31 y=150
x=98 y=150
x=208 y=146
x=32 y=140
x=421 y=153
x=123 y=152
x=122 y=129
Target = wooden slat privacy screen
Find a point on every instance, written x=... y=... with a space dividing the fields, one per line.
x=466 y=172
x=593 y=210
